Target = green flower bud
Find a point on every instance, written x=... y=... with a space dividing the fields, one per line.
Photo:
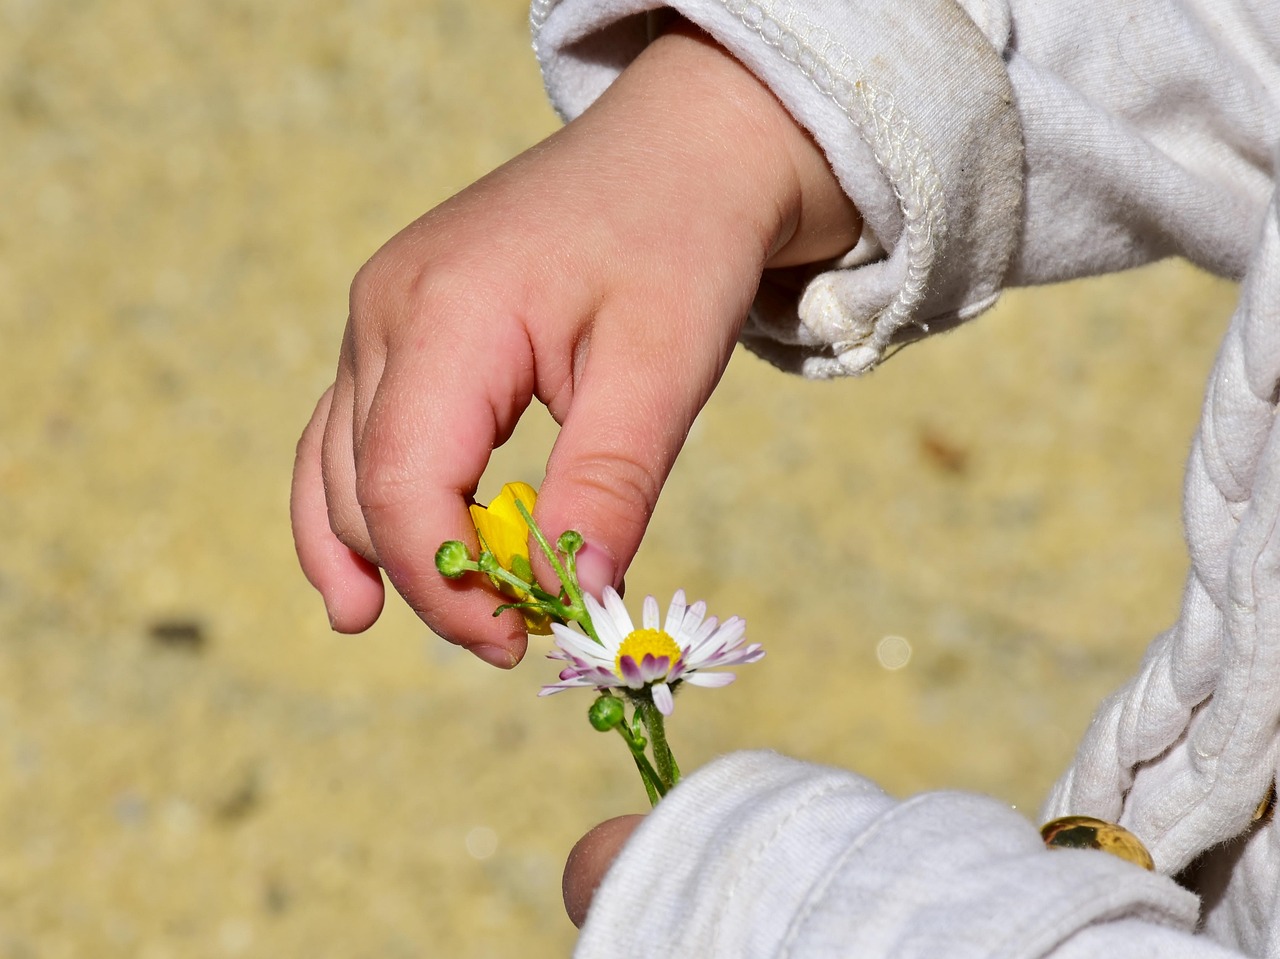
x=606 y=713
x=452 y=559
x=570 y=542
x=520 y=566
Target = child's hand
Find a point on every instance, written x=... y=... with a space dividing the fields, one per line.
x=605 y=272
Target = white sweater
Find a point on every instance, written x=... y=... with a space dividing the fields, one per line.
x=990 y=143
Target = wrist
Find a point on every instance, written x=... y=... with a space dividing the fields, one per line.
x=760 y=170
x=812 y=219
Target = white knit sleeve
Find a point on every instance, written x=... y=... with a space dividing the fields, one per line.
x=985 y=142
x=757 y=855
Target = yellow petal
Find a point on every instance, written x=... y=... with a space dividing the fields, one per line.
x=501 y=528
x=504 y=532
x=537 y=624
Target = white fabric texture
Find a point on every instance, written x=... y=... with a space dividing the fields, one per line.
x=987 y=144
x=852 y=872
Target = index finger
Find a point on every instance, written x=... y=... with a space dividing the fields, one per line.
x=441 y=405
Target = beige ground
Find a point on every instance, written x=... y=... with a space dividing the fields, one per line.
x=192 y=765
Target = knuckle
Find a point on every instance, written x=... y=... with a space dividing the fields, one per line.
x=348 y=526
x=385 y=478
x=624 y=489
x=368 y=288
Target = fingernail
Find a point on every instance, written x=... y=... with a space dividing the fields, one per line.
x=596 y=569
x=498 y=656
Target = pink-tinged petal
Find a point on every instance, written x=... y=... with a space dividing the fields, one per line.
x=733 y=658
x=710 y=680
x=662 y=698
x=631 y=674
x=723 y=643
x=654 y=667
x=649 y=613
x=676 y=671
x=562 y=656
x=675 y=615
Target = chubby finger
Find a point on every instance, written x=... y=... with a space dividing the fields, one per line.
x=418 y=459
x=337 y=462
x=350 y=586
x=589 y=860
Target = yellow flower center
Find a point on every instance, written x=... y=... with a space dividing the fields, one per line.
x=639 y=642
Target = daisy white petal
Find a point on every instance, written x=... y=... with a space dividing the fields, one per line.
x=578 y=645
x=675 y=613
x=617 y=612
x=662 y=698
x=692 y=623
x=649 y=613
x=606 y=628
x=711 y=680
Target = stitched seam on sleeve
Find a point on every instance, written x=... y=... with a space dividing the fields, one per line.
x=826 y=789
x=897 y=147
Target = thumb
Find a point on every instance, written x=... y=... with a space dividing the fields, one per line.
x=590 y=859
x=629 y=416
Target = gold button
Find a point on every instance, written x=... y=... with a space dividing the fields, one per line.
x=1085 y=832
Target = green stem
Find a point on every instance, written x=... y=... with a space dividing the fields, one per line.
x=652 y=718
x=577 y=609
x=497 y=572
x=546 y=548
x=653 y=783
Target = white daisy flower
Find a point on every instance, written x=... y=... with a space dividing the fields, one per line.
x=659 y=657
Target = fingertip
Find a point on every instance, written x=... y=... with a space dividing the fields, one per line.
x=503 y=644
x=354 y=596
x=350 y=586
x=461 y=612
x=596 y=569
x=504 y=657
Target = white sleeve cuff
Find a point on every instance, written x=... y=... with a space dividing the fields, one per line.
x=911 y=104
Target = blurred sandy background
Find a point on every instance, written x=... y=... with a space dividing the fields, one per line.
x=192 y=765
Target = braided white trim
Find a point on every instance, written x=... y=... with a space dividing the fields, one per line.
x=1182 y=754
x=539 y=10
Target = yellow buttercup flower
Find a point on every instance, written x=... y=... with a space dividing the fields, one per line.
x=504 y=533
